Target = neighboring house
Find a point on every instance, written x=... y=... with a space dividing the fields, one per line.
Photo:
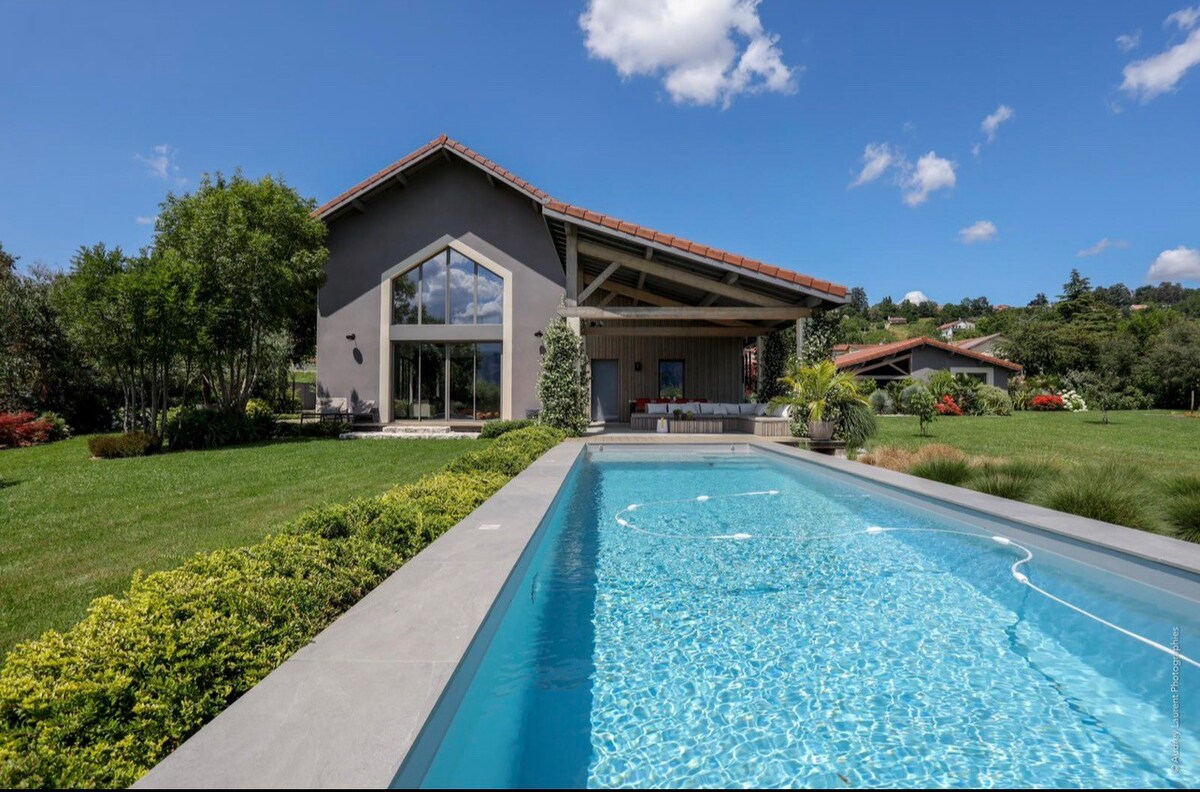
x=957 y=326
x=1138 y=307
x=897 y=320
x=921 y=357
x=444 y=268
x=988 y=344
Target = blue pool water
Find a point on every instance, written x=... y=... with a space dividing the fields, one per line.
x=807 y=651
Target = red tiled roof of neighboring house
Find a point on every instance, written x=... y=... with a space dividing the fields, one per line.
x=577 y=212
x=971 y=343
x=884 y=350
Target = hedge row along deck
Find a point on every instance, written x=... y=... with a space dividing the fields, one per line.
x=98 y=705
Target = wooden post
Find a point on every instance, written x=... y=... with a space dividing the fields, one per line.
x=799 y=338
x=572 y=297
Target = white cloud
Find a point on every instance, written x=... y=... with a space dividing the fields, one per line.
x=160 y=163
x=1129 y=41
x=1184 y=18
x=979 y=231
x=915 y=297
x=1158 y=74
x=877 y=158
x=1182 y=263
x=993 y=121
x=932 y=173
x=1101 y=246
x=146 y=220
x=706 y=51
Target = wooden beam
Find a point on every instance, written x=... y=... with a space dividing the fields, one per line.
x=598 y=282
x=705 y=313
x=711 y=297
x=678 y=332
x=642 y=276
x=676 y=275
x=358 y=205
x=608 y=297
x=650 y=297
x=572 y=266
x=400 y=177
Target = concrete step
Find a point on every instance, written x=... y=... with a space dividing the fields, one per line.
x=417 y=430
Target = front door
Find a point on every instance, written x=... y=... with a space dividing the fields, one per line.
x=604 y=390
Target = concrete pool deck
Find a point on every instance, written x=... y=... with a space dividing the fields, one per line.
x=345 y=710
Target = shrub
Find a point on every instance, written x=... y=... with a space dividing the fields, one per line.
x=881 y=402
x=1071 y=400
x=1183 y=507
x=920 y=402
x=889 y=457
x=1104 y=492
x=856 y=424
x=943 y=469
x=325 y=429
x=103 y=702
x=493 y=429
x=121 y=446
x=947 y=406
x=59 y=430
x=511 y=453
x=563 y=379
x=22 y=429
x=990 y=400
x=261 y=418
x=205 y=427
x=1046 y=402
x=1015 y=480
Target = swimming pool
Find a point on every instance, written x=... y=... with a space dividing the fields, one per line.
x=757 y=621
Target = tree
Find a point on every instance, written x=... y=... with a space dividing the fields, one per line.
x=249 y=258
x=858 y=300
x=563 y=380
x=1039 y=301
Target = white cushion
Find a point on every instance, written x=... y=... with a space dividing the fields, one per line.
x=708 y=408
x=656 y=409
x=718 y=409
x=731 y=409
x=779 y=411
x=747 y=408
x=760 y=408
x=689 y=407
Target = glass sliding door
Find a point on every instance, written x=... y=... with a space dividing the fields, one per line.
x=438 y=381
x=433 y=381
x=487 y=381
x=462 y=381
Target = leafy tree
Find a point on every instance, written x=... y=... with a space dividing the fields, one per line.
x=858 y=300
x=1039 y=301
x=563 y=379
x=250 y=259
x=1118 y=295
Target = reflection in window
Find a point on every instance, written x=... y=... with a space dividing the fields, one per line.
x=457 y=381
x=448 y=289
x=670 y=379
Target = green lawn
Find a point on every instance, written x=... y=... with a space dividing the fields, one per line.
x=1155 y=441
x=73 y=528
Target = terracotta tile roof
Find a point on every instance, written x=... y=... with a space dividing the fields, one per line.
x=696 y=249
x=596 y=218
x=884 y=350
x=971 y=343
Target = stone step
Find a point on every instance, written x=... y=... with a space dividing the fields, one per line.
x=417 y=430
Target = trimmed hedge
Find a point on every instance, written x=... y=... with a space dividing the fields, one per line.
x=494 y=429
x=103 y=702
x=121 y=446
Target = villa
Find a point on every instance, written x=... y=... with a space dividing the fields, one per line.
x=444 y=268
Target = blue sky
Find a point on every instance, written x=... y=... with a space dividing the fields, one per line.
x=738 y=125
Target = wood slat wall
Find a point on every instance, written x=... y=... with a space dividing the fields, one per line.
x=712 y=367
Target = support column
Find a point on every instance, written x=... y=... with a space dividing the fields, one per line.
x=572 y=296
x=800 y=337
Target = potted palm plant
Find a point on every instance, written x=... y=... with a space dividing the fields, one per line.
x=821 y=392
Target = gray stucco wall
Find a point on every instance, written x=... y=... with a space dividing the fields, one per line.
x=927 y=360
x=447 y=198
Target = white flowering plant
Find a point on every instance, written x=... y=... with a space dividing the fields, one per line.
x=1073 y=401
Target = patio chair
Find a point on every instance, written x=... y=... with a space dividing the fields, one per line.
x=362 y=410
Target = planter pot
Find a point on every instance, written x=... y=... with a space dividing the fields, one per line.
x=820 y=430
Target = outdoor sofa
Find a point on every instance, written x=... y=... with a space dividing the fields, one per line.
x=751 y=418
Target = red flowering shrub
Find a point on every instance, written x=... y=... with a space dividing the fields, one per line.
x=22 y=429
x=1047 y=402
x=947 y=406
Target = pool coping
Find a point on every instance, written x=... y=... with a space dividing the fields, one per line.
x=344 y=710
